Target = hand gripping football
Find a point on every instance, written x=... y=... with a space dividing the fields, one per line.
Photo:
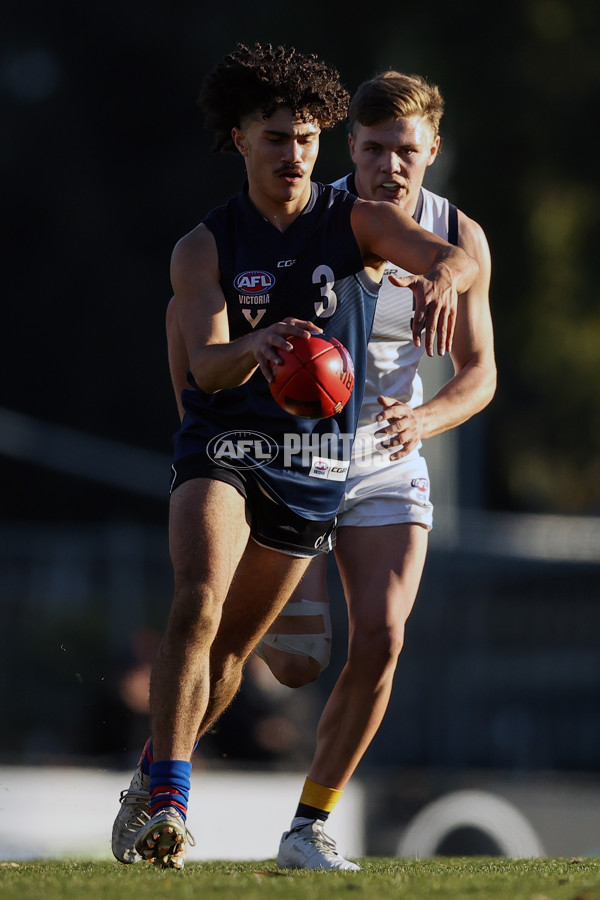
x=315 y=380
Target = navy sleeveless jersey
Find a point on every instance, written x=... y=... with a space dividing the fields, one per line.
x=314 y=271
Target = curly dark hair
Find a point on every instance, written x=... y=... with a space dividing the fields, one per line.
x=264 y=79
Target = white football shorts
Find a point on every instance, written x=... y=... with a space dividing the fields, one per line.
x=395 y=493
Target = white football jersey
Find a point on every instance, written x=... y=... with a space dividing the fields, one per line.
x=392 y=358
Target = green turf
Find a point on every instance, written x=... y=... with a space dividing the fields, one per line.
x=459 y=879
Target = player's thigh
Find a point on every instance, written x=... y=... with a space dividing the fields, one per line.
x=265 y=579
x=263 y=582
x=313 y=584
x=307 y=610
x=208 y=532
x=380 y=568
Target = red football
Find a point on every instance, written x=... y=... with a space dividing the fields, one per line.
x=315 y=380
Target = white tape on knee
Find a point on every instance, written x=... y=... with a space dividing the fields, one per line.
x=306 y=608
x=317 y=646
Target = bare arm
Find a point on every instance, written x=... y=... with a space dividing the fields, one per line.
x=442 y=271
x=474 y=382
x=177 y=355
x=217 y=362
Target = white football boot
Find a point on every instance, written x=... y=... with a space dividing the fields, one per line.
x=162 y=841
x=308 y=847
x=133 y=815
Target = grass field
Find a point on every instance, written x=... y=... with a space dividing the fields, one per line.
x=443 y=879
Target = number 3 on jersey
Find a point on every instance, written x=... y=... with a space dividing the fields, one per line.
x=324 y=277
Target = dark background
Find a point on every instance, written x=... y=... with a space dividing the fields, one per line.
x=105 y=164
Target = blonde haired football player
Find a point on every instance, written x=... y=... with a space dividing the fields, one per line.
x=386 y=513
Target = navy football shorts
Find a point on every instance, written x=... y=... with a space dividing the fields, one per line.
x=272 y=524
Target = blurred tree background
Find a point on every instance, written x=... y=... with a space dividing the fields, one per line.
x=105 y=164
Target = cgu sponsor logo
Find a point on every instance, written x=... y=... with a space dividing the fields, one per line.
x=329 y=469
x=421 y=484
x=254 y=282
x=242 y=449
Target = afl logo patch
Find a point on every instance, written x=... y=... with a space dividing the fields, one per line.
x=242 y=449
x=254 y=282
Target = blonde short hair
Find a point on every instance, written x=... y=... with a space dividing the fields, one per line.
x=393 y=95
